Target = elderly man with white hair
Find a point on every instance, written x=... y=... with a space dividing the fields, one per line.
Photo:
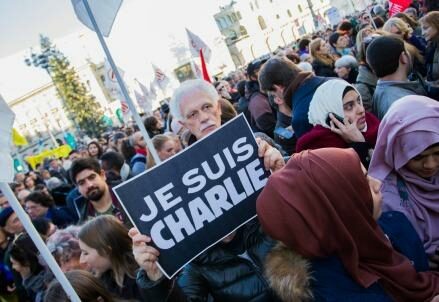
x=195 y=105
x=229 y=270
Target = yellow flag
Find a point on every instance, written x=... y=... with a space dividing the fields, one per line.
x=18 y=139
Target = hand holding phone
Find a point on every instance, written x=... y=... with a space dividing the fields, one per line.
x=348 y=131
x=328 y=119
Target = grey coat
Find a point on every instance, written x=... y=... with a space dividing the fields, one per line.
x=387 y=92
x=365 y=84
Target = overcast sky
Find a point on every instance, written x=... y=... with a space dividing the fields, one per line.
x=141 y=34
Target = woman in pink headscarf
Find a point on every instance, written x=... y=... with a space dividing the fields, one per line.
x=406 y=159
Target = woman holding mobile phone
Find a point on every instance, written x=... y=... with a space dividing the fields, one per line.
x=340 y=121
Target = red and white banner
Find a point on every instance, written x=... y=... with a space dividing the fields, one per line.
x=160 y=78
x=196 y=44
x=398 y=6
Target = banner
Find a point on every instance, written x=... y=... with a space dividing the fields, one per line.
x=196 y=44
x=334 y=16
x=188 y=205
x=398 y=6
x=60 y=152
x=161 y=79
x=143 y=102
x=104 y=12
x=18 y=139
x=111 y=83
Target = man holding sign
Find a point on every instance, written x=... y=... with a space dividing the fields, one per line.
x=232 y=268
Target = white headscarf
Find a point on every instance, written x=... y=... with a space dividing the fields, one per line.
x=328 y=98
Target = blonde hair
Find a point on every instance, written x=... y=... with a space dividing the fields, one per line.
x=432 y=19
x=361 y=54
x=314 y=48
x=158 y=141
x=400 y=24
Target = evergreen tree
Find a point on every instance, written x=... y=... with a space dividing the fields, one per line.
x=80 y=105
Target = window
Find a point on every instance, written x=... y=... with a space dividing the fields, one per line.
x=277 y=17
x=257 y=4
x=243 y=31
x=221 y=23
x=229 y=20
x=262 y=23
x=233 y=35
x=239 y=15
x=289 y=13
x=299 y=7
x=251 y=6
x=234 y=18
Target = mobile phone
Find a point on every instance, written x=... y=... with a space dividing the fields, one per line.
x=339 y=118
x=284 y=133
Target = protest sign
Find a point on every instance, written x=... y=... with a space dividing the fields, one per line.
x=398 y=6
x=198 y=197
x=334 y=16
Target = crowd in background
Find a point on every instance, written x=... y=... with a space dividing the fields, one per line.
x=347 y=120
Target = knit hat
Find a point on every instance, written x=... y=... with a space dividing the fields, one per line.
x=4 y=215
x=254 y=66
x=346 y=61
x=379 y=10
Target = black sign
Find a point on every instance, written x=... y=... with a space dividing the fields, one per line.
x=193 y=200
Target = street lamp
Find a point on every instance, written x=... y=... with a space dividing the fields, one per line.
x=42 y=61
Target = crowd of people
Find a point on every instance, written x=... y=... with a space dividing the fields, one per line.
x=347 y=121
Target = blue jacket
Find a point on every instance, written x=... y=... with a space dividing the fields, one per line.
x=60 y=216
x=300 y=104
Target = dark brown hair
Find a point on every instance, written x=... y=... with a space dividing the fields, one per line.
x=109 y=237
x=88 y=287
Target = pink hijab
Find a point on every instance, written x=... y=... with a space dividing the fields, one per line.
x=409 y=127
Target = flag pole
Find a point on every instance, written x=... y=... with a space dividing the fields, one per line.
x=39 y=243
x=124 y=90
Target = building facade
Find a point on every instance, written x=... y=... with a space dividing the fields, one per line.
x=40 y=113
x=253 y=28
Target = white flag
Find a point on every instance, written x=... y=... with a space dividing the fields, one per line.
x=161 y=79
x=7 y=117
x=111 y=81
x=152 y=90
x=113 y=87
x=144 y=90
x=104 y=12
x=197 y=70
x=143 y=102
x=195 y=44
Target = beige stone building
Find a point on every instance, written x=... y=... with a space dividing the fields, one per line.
x=40 y=113
x=253 y=28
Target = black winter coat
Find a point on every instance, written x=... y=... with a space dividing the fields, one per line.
x=323 y=70
x=229 y=272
